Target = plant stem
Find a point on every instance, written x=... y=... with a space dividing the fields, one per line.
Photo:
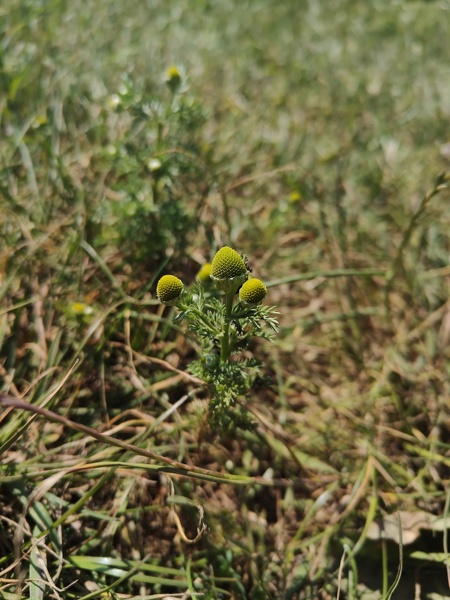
x=225 y=346
x=440 y=184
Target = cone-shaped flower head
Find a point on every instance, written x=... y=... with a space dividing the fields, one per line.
x=228 y=270
x=204 y=275
x=169 y=289
x=252 y=292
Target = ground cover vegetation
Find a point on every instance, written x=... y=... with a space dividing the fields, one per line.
x=139 y=139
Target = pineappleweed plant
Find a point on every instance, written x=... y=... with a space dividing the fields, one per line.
x=224 y=311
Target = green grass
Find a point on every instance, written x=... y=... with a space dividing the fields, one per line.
x=310 y=136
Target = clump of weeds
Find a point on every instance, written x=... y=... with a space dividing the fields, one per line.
x=152 y=443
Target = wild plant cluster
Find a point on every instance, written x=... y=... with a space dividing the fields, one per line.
x=223 y=310
x=153 y=157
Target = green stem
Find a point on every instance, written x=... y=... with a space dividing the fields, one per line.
x=384 y=568
x=441 y=183
x=225 y=346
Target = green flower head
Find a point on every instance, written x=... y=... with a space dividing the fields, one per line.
x=204 y=275
x=169 y=289
x=228 y=270
x=252 y=292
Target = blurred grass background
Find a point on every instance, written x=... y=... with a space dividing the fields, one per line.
x=305 y=134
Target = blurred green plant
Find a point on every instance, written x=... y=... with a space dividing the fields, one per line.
x=223 y=326
x=154 y=158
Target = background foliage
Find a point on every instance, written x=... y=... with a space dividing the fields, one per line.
x=305 y=134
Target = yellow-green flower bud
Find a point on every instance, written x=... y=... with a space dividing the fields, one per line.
x=169 y=289
x=173 y=78
x=252 y=292
x=81 y=309
x=204 y=275
x=228 y=270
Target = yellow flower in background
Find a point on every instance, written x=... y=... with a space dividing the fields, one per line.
x=173 y=78
x=81 y=309
x=252 y=292
x=169 y=289
x=295 y=196
x=204 y=274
